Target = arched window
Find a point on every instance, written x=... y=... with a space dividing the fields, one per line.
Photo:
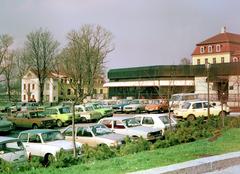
x=235 y=59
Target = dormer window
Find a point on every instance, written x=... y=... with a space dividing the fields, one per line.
x=202 y=49
x=218 y=48
x=210 y=48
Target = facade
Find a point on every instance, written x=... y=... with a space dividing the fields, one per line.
x=56 y=88
x=215 y=60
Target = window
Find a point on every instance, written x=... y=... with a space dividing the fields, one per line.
x=85 y=132
x=47 y=86
x=147 y=120
x=95 y=91
x=235 y=59
x=210 y=48
x=23 y=137
x=197 y=106
x=33 y=86
x=202 y=49
x=218 y=48
x=68 y=132
x=24 y=97
x=54 y=87
x=24 y=86
x=54 y=98
x=107 y=123
x=34 y=139
x=101 y=91
x=69 y=92
x=198 y=61
x=206 y=61
x=214 y=60
x=138 y=119
x=118 y=125
x=222 y=59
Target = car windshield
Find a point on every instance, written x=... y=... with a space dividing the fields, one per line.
x=175 y=98
x=100 y=129
x=89 y=108
x=165 y=119
x=52 y=136
x=97 y=106
x=131 y=122
x=186 y=105
x=64 y=110
x=37 y=114
x=12 y=146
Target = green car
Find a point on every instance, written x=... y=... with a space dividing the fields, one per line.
x=105 y=112
x=62 y=115
x=5 y=125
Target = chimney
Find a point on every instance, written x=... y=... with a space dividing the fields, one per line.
x=224 y=29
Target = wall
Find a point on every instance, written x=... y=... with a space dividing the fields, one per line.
x=210 y=58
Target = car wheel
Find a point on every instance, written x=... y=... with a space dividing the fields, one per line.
x=138 y=111
x=35 y=126
x=59 y=123
x=191 y=117
x=48 y=159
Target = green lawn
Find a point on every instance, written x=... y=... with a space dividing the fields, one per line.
x=229 y=142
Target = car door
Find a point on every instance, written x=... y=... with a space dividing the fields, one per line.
x=34 y=145
x=19 y=119
x=85 y=136
x=118 y=127
x=198 y=110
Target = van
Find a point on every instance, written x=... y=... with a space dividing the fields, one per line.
x=177 y=100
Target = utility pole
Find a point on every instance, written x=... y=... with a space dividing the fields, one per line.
x=208 y=98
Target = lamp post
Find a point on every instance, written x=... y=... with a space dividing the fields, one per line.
x=207 y=65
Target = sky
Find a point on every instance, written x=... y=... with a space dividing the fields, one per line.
x=145 y=32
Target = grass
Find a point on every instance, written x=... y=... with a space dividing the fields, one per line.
x=228 y=142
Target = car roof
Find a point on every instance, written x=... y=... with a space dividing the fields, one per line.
x=195 y=101
x=117 y=118
x=38 y=131
x=152 y=115
x=4 y=138
x=85 y=125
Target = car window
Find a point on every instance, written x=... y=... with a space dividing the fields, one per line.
x=118 y=125
x=138 y=119
x=131 y=122
x=19 y=115
x=68 y=132
x=100 y=129
x=165 y=119
x=186 y=105
x=205 y=105
x=52 y=136
x=197 y=106
x=34 y=138
x=86 y=132
x=79 y=109
x=23 y=137
x=107 y=123
x=147 y=120
x=64 y=110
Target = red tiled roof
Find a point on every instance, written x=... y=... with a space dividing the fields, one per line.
x=222 y=38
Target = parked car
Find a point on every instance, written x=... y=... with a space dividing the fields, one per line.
x=136 y=106
x=87 y=113
x=120 y=104
x=176 y=101
x=5 y=125
x=105 y=112
x=94 y=135
x=12 y=150
x=32 y=119
x=31 y=106
x=193 y=109
x=62 y=115
x=45 y=143
x=131 y=127
x=159 y=121
x=157 y=105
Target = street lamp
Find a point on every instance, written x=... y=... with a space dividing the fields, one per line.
x=207 y=65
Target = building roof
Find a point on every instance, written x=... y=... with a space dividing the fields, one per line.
x=225 y=37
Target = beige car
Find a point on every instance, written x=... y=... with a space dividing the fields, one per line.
x=94 y=135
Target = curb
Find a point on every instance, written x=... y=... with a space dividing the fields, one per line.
x=197 y=166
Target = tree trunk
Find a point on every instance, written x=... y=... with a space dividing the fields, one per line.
x=9 y=89
x=73 y=131
x=41 y=89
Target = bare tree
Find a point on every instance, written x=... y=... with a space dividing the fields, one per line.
x=5 y=42
x=41 y=51
x=83 y=60
x=185 y=61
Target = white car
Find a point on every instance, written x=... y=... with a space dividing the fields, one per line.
x=87 y=113
x=12 y=150
x=193 y=109
x=45 y=142
x=131 y=127
x=159 y=121
x=94 y=135
x=136 y=106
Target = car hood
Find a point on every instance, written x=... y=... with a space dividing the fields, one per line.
x=5 y=122
x=66 y=145
x=112 y=136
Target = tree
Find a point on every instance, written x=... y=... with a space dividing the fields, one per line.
x=185 y=61
x=5 y=42
x=41 y=51
x=83 y=60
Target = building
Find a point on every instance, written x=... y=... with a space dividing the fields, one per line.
x=56 y=88
x=221 y=54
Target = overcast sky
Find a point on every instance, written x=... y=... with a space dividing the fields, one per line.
x=146 y=32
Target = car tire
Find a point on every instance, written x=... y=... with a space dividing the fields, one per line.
x=138 y=111
x=48 y=159
x=59 y=123
x=191 y=117
x=35 y=126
